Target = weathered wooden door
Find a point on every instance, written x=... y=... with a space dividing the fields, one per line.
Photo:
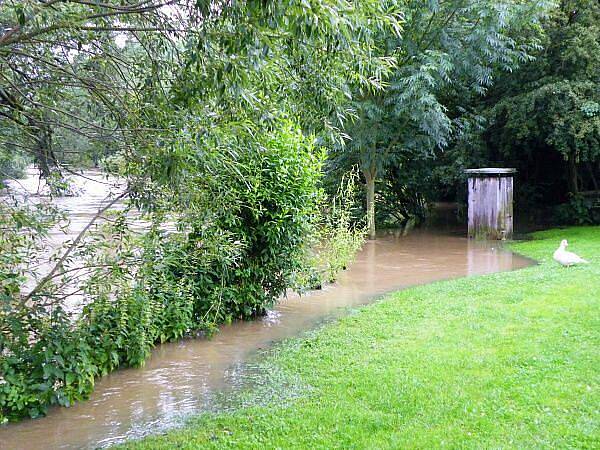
x=490 y=203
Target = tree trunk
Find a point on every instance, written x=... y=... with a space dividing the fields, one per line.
x=370 y=185
x=44 y=156
x=572 y=174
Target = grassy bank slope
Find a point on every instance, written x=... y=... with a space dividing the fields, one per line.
x=508 y=360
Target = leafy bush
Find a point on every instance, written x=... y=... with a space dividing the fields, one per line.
x=335 y=238
x=404 y=194
x=579 y=210
x=24 y=327
x=243 y=234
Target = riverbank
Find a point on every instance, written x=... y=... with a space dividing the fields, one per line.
x=503 y=360
x=193 y=376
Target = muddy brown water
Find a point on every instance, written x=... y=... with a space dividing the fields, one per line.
x=183 y=378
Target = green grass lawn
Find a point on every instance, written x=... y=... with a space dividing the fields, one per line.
x=508 y=360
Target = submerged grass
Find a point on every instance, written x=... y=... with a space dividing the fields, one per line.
x=508 y=360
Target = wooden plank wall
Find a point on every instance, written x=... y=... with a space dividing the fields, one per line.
x=491 y=207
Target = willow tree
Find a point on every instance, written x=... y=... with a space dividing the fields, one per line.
x=74 y=66
x=446 y=47
x=102 y=71
x=215 y=105
x=169 y=77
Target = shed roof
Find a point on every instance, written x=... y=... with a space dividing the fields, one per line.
x=491 y=171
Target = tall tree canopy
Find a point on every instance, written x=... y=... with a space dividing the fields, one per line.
x=102 y=70
x=448 y=49
x=74 y=68
x=550 y=109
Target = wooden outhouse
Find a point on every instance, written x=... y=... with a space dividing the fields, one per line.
x=490 y=203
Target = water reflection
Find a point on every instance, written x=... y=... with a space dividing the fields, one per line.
x=494 y=259
x=186 y=377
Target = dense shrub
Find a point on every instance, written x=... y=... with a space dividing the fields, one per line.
x=404 y=194
x=579 y=210
x=241 y=241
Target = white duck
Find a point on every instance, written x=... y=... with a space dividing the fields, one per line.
x=566 y=258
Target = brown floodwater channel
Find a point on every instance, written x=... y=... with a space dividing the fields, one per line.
x=184 y=378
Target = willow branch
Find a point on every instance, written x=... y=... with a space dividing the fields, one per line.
x=70 y=249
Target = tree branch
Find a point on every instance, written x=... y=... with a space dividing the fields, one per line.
x=70 y=249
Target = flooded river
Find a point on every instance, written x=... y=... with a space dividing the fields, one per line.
x=185 y=377
x=92 y=189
